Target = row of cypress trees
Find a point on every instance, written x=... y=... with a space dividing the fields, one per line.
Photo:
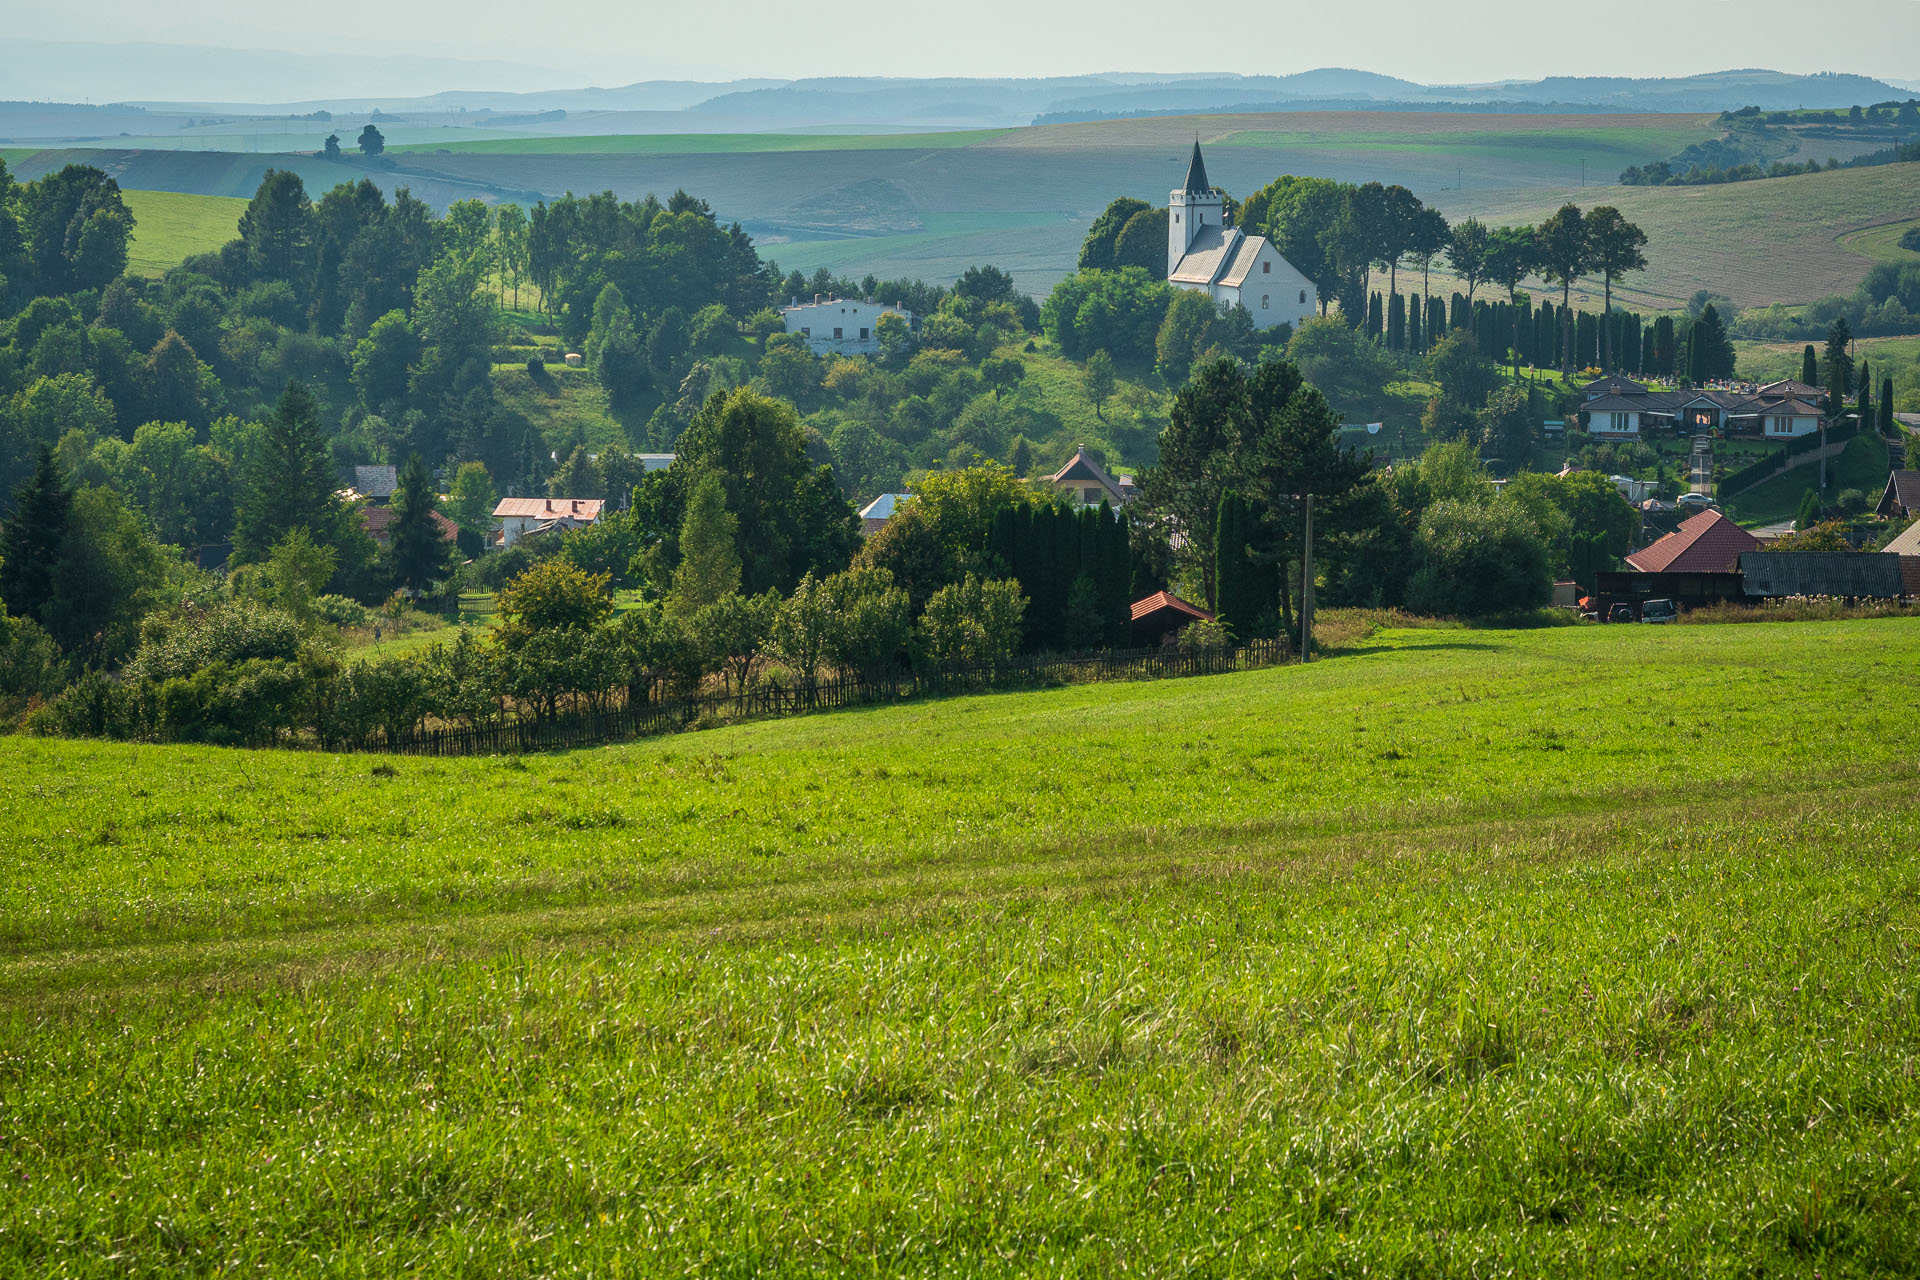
x=1246 y=591
x=1076 y=570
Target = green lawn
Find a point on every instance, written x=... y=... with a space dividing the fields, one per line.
x=169 y=227
x=1861 y=465
x=1587 y=951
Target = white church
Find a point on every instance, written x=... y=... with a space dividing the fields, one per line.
x=1210 y=257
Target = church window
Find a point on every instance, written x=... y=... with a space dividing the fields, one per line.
x=1266 y=268
x=1176 y=217
x=1263 y=302
x=1303 y=297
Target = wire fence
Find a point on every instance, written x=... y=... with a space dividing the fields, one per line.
x=774 y=700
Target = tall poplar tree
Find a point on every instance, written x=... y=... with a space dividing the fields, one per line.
x=1563 y=253
x=709 y=564
x=1613 y=248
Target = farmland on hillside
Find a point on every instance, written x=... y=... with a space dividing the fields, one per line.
x=1779 y=238
x=1428 y=958
x=705 y=143
x=169 y=227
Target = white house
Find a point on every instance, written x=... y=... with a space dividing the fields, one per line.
x=1788 y=419
x=1612 y=416
x=1208 y=256
x=523 y=517
x=844 y=326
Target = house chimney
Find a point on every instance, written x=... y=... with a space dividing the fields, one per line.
x=549 y=505
x=816 y=299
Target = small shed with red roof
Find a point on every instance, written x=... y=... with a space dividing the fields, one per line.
x=1161 y=616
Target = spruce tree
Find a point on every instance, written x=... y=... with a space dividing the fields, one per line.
x=416 y=553
x=31 y=540
x=291 y=485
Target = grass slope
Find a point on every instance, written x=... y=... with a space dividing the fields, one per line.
x=169 y=227
x=1861 y=465
x=1582 y=951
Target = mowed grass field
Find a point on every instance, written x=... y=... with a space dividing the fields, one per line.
x=169 y=227
x=1580 y=951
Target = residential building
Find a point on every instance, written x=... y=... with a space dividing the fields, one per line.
x=526 y=517
x=841 y=326
x=378 y=522
x=1624 y=409
x=1085 y=482
x=1902 y=496
x=1206 y=255
x=1706 y=543
x=874 y=516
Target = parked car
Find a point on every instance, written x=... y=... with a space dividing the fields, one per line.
x=1620 y=613
x=1695 y=501
x=1659 y=611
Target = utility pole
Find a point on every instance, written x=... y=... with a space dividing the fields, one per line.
x=1306 y=588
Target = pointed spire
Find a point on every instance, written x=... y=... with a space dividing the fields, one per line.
x=1197 y=171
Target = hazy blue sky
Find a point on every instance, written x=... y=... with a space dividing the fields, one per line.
x=618 y=41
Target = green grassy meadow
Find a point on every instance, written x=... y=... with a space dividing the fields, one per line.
x=169 y=227
x=1861 y=465
x=1573 y=951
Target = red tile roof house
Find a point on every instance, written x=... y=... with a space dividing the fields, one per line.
x=1697 y=564
x=521 y=517
x=379 y=522
x=1706 y=543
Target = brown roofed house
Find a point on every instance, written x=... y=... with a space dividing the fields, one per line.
x=1902 y=498
x=379 y=524
x=1085 y=482
x=1706 y=543
x=522 y=517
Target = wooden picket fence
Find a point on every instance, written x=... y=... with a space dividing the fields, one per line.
x=772 y=700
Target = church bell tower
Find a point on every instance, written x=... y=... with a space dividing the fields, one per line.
x=1191 y=207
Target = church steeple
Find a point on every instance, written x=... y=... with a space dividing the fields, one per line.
x=1197 y=172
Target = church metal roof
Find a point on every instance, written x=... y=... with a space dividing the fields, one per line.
x=1197 y=173
x=1212 y=249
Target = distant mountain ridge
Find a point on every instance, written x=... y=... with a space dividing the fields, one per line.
x=851 y=104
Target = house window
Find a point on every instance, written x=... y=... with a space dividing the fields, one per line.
x=836 y=332
x=1092 y=496
x=805 y=331
x=863 y=333
x=1263 y=302
x=1266 y=268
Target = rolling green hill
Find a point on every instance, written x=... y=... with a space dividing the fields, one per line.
x=930 y=205
x=169 y=227
x=1567 y=952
